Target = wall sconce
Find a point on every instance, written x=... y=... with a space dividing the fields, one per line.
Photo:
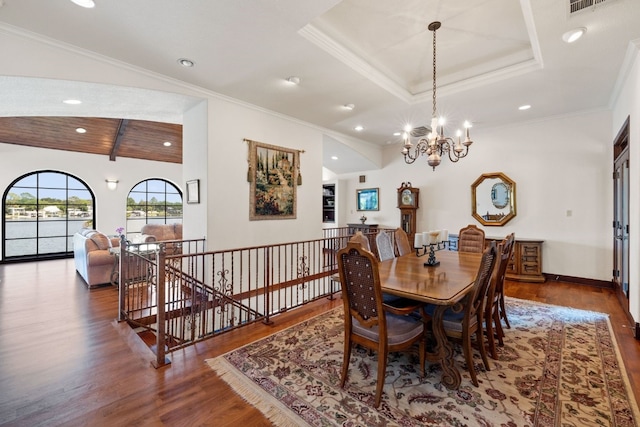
x=112 y=184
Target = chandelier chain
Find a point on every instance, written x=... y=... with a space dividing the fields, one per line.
x=434 y=75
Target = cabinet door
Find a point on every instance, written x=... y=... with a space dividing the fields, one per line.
x=530 y=259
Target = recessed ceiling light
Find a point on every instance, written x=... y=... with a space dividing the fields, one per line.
x=397 y=133
x=186 y=62
x=293 y=80
x=81 y=130
x=349 y=106
x=573 y=35
x=72 y=101
x=524 y=107
x=359 y=128
x=334 y=157
x=85 y=3
x=166 y=144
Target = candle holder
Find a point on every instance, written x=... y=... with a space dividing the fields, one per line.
x=432 y=262
x=432 y=248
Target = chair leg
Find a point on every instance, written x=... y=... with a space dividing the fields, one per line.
x=468 y=357
x=483 y=349
x=503 y=311
x=345 y=361
x=423 y=354
x=498 y=325
x=491 y=339
x=382 y=370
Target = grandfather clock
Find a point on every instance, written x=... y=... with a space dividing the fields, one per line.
x=408 y=202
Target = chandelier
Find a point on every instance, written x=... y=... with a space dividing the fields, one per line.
x=436 y=144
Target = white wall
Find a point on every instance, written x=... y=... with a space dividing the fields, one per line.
x=560 y=164
x=228 y=205
x=626 y=105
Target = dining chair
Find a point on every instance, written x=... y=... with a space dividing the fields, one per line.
x=367 y=320
x=502 y=309
x=463 y=324
x=402 y=242
x=362 y=239
x=471 y=239
x=495 y=295
x=385 y=246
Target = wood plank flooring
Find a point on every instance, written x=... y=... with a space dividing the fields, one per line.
x=64 y=360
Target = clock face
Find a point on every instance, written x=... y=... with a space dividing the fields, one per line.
x=407 y=197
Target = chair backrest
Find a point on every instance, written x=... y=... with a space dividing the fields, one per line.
x=471 y=239
x=474 y=309
x=385 y=246
x=402 y=242
x=358 y=237
x=505 y=252
x=360 y=281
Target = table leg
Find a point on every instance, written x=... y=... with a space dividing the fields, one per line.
x=443 y=353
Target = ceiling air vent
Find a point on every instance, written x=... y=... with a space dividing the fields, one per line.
x=580 y=5
x=420 y=131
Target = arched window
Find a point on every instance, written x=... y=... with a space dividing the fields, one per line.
x=42 y=211
x=153 y=201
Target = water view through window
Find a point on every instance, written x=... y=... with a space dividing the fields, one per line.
x=152 y=201
x=42 y=211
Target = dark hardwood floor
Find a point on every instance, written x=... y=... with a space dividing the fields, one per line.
x=64 y=360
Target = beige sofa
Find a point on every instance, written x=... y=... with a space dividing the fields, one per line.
x=163 y=233
x=92 y=256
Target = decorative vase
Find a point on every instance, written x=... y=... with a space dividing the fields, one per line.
x=363 y=219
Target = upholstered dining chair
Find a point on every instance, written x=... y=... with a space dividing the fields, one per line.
x=367 y=320
x=385 y=246
x=471 y=239
x=362 y=239
x=402 y=242
x=496 y=309
x=464 y=324
x=495 y=295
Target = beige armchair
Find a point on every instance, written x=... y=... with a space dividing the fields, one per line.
x=92 y=255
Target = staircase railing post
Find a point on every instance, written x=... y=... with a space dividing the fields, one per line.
x=161 y=347
x=122 y=278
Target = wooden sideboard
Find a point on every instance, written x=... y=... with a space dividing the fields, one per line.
x=365 y=228
x=526 y=263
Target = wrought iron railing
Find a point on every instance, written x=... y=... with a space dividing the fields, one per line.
x=191 y=295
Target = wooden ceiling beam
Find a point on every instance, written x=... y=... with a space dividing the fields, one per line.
x=122 y=126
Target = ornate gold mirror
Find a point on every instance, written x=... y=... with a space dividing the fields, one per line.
x=493 y=199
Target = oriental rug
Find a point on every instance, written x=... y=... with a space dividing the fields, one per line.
x=558 y=367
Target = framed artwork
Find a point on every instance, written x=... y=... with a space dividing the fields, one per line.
x=273 y=178
x=367 y=199
x=193 y=191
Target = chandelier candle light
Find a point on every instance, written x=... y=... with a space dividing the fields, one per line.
x=436 y=144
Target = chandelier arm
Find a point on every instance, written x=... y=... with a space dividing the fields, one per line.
x=420 y=148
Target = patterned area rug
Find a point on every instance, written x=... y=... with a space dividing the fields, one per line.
x=559 y=367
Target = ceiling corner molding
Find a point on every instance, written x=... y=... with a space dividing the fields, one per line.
x=527 y=14
x=633 y=48
x=347 y=57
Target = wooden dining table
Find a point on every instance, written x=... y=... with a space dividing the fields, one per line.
x=444 y=285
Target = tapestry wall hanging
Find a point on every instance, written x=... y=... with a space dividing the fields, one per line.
x=274 y=173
